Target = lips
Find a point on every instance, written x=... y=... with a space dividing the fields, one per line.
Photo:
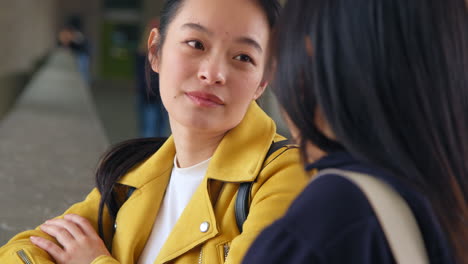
x=204 y=99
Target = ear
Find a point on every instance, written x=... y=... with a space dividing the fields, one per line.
x=260 y=89
x=153 y=49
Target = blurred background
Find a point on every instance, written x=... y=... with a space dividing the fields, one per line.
x=30 y=31
x=70 y=86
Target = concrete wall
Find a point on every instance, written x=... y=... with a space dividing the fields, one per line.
x=28 y=32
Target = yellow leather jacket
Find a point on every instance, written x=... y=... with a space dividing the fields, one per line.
x=239 y=158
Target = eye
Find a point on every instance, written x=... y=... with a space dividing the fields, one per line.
x=244 y=58
x=195 y=44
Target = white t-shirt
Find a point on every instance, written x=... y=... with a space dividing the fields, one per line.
x=182 y=185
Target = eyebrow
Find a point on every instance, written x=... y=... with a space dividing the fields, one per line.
x=243 y=40
x=250 y=42
x=197 y=27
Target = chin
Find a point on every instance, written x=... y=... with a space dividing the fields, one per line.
x=209 y=126
x=200 y=123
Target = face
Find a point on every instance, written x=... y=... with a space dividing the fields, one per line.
x=212 y=62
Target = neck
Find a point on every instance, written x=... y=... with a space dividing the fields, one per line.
x=193 y=147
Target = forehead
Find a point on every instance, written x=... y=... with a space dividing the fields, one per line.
x=229 y=18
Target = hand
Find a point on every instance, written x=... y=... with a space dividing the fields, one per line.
x=79 y=242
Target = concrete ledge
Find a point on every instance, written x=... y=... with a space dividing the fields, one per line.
x=10 y=87
x=13 y=84
x=50 y=143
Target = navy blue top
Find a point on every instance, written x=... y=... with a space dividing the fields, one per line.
x=331 y=221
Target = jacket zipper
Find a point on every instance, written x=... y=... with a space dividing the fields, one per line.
x=24 y=257
x=200 y=257
x=226 y=251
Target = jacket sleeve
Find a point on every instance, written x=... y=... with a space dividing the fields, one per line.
x=10 y=252
x=278 y=184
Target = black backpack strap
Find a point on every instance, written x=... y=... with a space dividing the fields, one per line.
x=242 y=205
x=120 y=194
x=128 y=191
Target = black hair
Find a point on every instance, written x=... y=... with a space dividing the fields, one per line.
x=171 y=7
x=113 y=166
x=126 y=155
x=390 y=78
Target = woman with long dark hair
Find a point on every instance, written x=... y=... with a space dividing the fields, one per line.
x=174 y=201
x=381 y=88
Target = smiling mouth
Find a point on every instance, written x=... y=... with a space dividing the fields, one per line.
x=204 y=99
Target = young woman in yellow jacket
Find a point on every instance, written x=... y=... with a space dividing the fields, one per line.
x=173 y=202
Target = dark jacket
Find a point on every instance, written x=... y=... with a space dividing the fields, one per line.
x=332 y=222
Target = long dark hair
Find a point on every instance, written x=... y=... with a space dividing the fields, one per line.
x=126 y=155
x=391 y=79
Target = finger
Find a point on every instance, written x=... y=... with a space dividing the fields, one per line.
x=53 y=249
x=70 y=226
x=83 y=223
x=60 y=233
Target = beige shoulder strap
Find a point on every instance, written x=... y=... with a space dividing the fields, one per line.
x=394 y=215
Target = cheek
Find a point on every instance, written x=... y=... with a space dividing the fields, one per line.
x=245 y=87
x=172 y=77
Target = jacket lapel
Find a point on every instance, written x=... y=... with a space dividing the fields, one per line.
x=136 y=216
x=240 y=155
x=196 y=225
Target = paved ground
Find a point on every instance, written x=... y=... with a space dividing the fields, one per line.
x=49 y=146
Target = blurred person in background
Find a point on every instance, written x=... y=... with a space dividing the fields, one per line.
x=380 y=87
x=152 y=116
x=72 y=37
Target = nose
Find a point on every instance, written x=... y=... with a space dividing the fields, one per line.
x=212 y=71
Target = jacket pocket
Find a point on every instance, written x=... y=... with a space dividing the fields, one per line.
x=23 y=256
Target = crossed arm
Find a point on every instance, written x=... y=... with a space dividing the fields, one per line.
x=79 y=242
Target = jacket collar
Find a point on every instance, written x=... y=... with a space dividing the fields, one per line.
x=156 y=166
x=240 y=155
x=336 y=159
x=236 y=159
